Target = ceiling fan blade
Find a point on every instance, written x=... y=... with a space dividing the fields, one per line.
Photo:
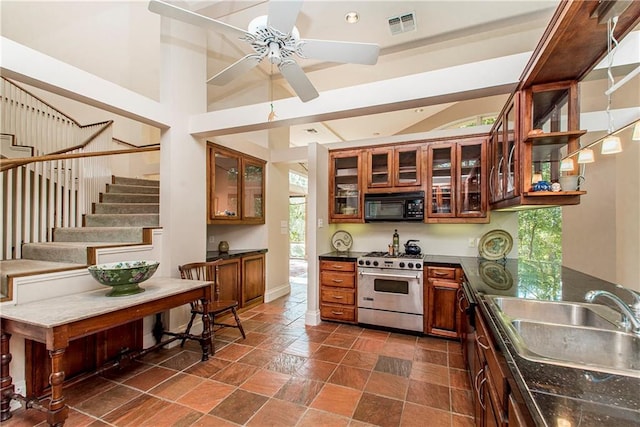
x=337 y=51
x=184 y=15
x=235 y=70
x=298 y=80
x=283 y=14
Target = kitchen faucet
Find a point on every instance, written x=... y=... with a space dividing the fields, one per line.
x=629 y=315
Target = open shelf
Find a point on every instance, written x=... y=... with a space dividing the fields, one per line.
x=554 y=137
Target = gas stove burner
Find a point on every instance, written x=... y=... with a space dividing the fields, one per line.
x=386 y=261
x=388 y=255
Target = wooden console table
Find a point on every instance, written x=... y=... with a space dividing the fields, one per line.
x=57 y=321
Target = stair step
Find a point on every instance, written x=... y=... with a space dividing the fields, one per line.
x=135 y=189
x=129 y=198
x=120 y=220
x=56 y=251
x=135 y=181
x=98 y=234
x=21 y=266
x=126 y=208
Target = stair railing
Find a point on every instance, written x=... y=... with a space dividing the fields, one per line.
x=55 y=187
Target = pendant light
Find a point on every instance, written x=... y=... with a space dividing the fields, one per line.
x=611 y=144
x=586 y=156
x=636 y=132
x=567 y=165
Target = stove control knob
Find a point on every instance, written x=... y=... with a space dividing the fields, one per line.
x=401 y=265
x=368 y=262
x=410 y=265
x=375 y=263
x=418 y=266
x=360 y=262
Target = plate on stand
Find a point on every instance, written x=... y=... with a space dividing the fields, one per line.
x=341 y=241
x=495 y=244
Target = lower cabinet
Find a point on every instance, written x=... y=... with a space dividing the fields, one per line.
x=253 y=280
x=243 y=279
x=338 y=291
x=442 y=315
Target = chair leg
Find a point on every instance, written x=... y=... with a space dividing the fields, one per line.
x=235 y=314
x=193 y=316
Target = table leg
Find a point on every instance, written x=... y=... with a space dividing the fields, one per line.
x=6 y=387
x=205 y=340
x=58 y=410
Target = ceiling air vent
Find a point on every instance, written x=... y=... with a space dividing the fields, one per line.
x=402 y=23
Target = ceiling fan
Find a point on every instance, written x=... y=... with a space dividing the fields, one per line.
x=275 y=36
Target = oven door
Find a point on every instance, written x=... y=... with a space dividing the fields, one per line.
x=391 y=290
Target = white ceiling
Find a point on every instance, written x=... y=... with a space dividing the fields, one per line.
x=120 y=42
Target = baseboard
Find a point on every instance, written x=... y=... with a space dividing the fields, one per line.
x=312 y=317
x=278 y=292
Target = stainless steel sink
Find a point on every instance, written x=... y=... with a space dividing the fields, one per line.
x=582 y=347
x=564 y=313
x=578 y=335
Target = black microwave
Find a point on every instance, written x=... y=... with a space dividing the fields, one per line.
x=394 y=206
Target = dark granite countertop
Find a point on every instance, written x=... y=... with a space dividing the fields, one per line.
x=341 y=256
x=554 y=394
x=238 y=253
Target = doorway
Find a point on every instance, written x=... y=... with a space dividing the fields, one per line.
x=297 y=251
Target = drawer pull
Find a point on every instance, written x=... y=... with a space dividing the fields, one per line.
x=483 y=346
x=337 y=266
x=481 y=395
x=439 y=273
x=337 y=313
x=337 y=280
x=338 y=296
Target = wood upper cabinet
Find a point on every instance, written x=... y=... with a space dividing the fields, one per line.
x=236 y=187
x=398 y=166
x=534 y=132
x=345 y=186
x=457 y=181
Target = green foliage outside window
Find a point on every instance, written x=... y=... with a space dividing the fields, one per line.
x=297 y=211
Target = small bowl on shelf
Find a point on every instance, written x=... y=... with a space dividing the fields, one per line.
x=124 y=277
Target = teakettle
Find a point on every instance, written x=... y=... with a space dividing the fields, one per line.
x=412 y=248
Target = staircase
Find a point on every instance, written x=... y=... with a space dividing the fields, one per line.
x=126 y=207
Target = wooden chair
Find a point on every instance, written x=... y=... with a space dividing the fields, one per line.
x=209 y=271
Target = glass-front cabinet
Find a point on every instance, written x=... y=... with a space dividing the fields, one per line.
x=253 y=190
x=504 y=174
x=345 y=172
x=398 y=166
x=236 y=187
x=456 y=181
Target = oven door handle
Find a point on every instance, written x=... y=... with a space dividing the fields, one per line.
x=416 y=276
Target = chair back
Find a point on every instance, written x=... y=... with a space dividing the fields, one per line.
x=205 y=270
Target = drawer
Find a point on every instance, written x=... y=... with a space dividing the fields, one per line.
x=342 y=280
x=448 y=273
x=337 y=266
x=336 y=312
x=494 y=360
x=338 y=296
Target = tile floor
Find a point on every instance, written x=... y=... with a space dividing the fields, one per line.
x=283 y=374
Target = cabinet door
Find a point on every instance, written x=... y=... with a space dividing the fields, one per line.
x=440 y=177
x=253 y=191
x=253 y=280
x=345 y=198
x=442 y=316
x=512 y=174
x=224 y=185
x=407 y=161
x=379 y=167
x=229 y=280
x=471 y=162
x=496 y=184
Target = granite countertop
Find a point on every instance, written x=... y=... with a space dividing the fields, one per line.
x=555 y=395
x=342 y=256
x=236 y=253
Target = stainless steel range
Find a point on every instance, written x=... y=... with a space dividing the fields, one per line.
x=390 y=291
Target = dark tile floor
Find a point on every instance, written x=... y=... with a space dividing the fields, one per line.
x=283 y=374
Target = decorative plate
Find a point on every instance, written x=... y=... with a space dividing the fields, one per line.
x=495 y=275
x=341 y=241
x=495 y=244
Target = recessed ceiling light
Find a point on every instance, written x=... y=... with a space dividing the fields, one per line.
x=352 y=17
x=419 y=110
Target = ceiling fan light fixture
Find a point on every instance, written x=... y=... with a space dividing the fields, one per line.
x=352 y=17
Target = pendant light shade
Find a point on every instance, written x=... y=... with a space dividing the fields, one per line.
x=611 y=145
x=567 y=165
x=586 y=156
x=636 y=132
